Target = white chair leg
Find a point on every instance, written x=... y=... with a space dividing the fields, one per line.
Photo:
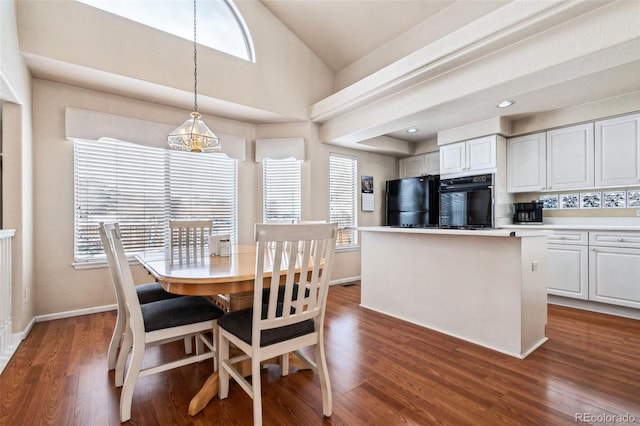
x=199 y=345
x=116 y=340
x=323 y=375
x=223 y=374
x=284 y=364
x=126 y=395
x=214 y=340
x=188 y=345
x=257 y=391
x=125 y=348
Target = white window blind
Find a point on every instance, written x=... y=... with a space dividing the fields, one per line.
x=142 y=188
x=281 y=189
x=343 y=197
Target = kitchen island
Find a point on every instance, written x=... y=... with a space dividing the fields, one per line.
x=487 y=287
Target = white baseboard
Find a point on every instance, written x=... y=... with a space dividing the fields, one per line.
x=603 y=308
x=344 y=280
x=9 y=351
x=76 y=313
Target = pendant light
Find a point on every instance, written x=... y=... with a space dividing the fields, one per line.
x=193 y=135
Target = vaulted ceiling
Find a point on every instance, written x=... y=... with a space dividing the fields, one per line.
x=348 y=34
x=431 y=64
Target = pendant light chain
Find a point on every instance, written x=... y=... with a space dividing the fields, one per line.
x=193 y=135
x=195 y=61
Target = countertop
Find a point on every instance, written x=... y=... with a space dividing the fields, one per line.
x=536 y=232
x=584 y=224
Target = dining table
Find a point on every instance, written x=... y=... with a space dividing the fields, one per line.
x=210 y=276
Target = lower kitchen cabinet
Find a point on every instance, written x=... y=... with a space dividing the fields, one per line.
x=568 y=271
x=614 y=275
x=599 y=266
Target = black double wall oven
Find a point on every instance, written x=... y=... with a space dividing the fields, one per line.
x=467 y=202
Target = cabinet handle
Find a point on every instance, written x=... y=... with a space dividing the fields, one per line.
x=620 y=239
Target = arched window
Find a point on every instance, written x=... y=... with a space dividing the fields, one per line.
x=220 y=25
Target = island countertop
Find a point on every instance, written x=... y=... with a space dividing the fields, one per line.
x=502 y=232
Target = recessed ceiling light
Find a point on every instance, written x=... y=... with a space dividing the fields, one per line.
x=412 y=130
x=505 y=104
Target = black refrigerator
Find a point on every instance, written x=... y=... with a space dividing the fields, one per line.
x=413 y=202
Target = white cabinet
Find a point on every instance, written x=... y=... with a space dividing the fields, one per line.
x=412 y=166
x=526 y=163
x=568 y=264
x=614 y=268
x=617 y=151
x=554 y=160
x=600 y=266
x=570 y=157
x=474 y=156
x=452 y=158
x=432 y=161
x=420 y=165
x=614 y=275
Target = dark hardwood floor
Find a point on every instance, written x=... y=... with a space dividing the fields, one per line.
x=383 y=371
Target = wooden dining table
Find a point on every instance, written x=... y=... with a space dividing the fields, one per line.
x=207 y=276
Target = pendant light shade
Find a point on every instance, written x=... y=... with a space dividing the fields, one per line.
x=193 y=135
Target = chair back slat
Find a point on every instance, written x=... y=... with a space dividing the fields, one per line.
x=306 y=248
x=189 y=239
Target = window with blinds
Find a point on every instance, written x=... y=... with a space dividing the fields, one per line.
x=343 y=197
x=142 y=188
x=281 y=189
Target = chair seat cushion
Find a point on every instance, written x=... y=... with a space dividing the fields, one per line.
x=178 y=311
x=153 y=292
x=240 y=324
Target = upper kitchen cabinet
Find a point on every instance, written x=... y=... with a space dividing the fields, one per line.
x=475 y=156
x=617 y=148
x=570 y=157
x=554 y=160
x=420 y=165
x=527 y=163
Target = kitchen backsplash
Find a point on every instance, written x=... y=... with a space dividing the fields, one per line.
x=606 y=202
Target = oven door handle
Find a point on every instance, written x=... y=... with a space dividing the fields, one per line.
x=461 y=187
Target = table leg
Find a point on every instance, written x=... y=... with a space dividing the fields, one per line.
x=204 y=395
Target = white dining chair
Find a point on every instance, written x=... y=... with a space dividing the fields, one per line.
x=157 y=323
x=189 y=239
x=147 y=293
x=288 y=320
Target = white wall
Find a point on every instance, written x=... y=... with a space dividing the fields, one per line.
x=285 y=79
x=61 y=288
x=17 y=164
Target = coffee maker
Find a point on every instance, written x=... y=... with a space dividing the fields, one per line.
x=527 y=213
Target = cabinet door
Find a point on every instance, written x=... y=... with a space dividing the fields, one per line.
x=432 y=161
x=570 y=157
x=526 y=163
x=568 y=271
x=413 y=166
x=614 y=276
x=452 y=158
x=617 y=158
x=481 y=153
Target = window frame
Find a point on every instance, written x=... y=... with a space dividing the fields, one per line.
x=348 y=230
